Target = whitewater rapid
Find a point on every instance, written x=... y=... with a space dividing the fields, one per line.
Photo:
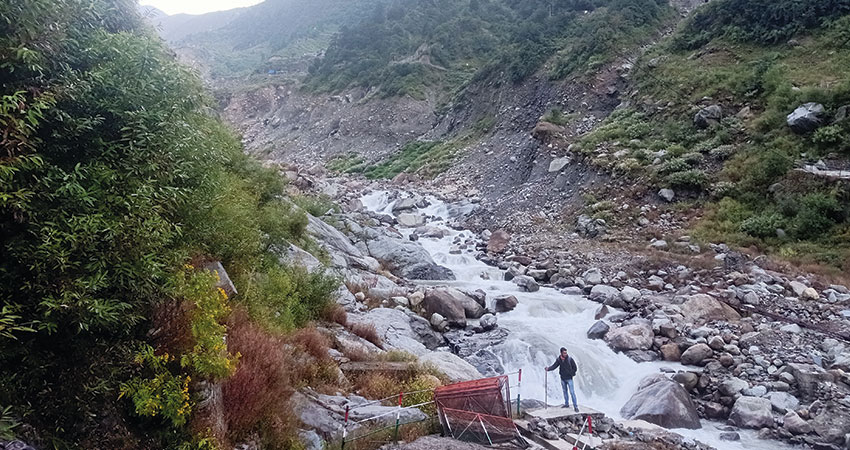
x=544 y=321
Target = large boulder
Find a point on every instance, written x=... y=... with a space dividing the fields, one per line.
x=526 y=283
x=696 y=354
x=702 y=308
x=422 y=327
x=455 y=368
x=452 y=304
x=807 y=117
x=708 y=116
x=505 y=303
x=809 y=377
x=598 y=330
x=631 y=337
x=498 y=241
x=794 y=424
x=604 y=294
x=733 y=386
x=405 y=204
x=393 y=327
x=558 y=164
x=752 y=412
x=406 y=259
x=783 y=402
x=411 y=220
x=663 y=402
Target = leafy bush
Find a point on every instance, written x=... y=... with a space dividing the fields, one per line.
x=689 y=179
x=316 y=205
x=674 y=165
x=763 y=225
x=288 y=297
x=817 y=213
x=765 y=21
x=161 y=394
x=828 y=136
x=208 y=358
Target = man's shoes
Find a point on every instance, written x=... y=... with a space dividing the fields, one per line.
x=576 y=408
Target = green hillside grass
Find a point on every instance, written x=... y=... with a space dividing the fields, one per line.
x=742 y=170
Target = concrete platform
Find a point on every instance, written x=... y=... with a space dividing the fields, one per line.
x=559 y=412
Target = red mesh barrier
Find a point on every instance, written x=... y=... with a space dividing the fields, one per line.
x=477 y=411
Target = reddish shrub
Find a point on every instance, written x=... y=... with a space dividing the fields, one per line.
x=335 y=313
x=367 y=331
x=313 y=342
x=259 y=389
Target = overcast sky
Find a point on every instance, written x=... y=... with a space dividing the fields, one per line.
x=197 y=6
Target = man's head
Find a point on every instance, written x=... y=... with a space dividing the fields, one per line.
x=563 y=352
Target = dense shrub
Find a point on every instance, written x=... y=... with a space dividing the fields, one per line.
x=767 y=21
x=288 y=297
x=694 y=179
x=762 y=225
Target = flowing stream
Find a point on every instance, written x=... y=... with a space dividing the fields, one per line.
x=543 y=322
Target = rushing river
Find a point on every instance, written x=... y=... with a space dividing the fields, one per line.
x=543 y=322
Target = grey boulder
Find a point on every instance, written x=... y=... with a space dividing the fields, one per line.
x=406 y=259
x=663 y=402
x=752 y=412
x=806 y=118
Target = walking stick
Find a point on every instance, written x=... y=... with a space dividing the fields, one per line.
x=546 y=389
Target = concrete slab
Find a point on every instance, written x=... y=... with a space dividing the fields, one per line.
x=558 y=412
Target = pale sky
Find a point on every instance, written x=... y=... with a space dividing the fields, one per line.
x=196 y=6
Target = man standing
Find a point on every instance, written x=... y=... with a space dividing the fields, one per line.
x=567 y=369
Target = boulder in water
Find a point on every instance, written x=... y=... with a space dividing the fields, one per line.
x=526 y=283
x=663 y=402
x=631 y=337
x=487 y=322
x=411 y=220
x=406 y=259
x=752 y=412
x=505 y=303
x=452 y=304
x=598 y=330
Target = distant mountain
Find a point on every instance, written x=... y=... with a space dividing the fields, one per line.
x=244 y=40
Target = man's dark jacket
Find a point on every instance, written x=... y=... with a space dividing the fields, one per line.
x=567 y=368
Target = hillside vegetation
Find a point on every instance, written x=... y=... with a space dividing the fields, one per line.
x=116 y=187
x=758 y=61
x=404 y=46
